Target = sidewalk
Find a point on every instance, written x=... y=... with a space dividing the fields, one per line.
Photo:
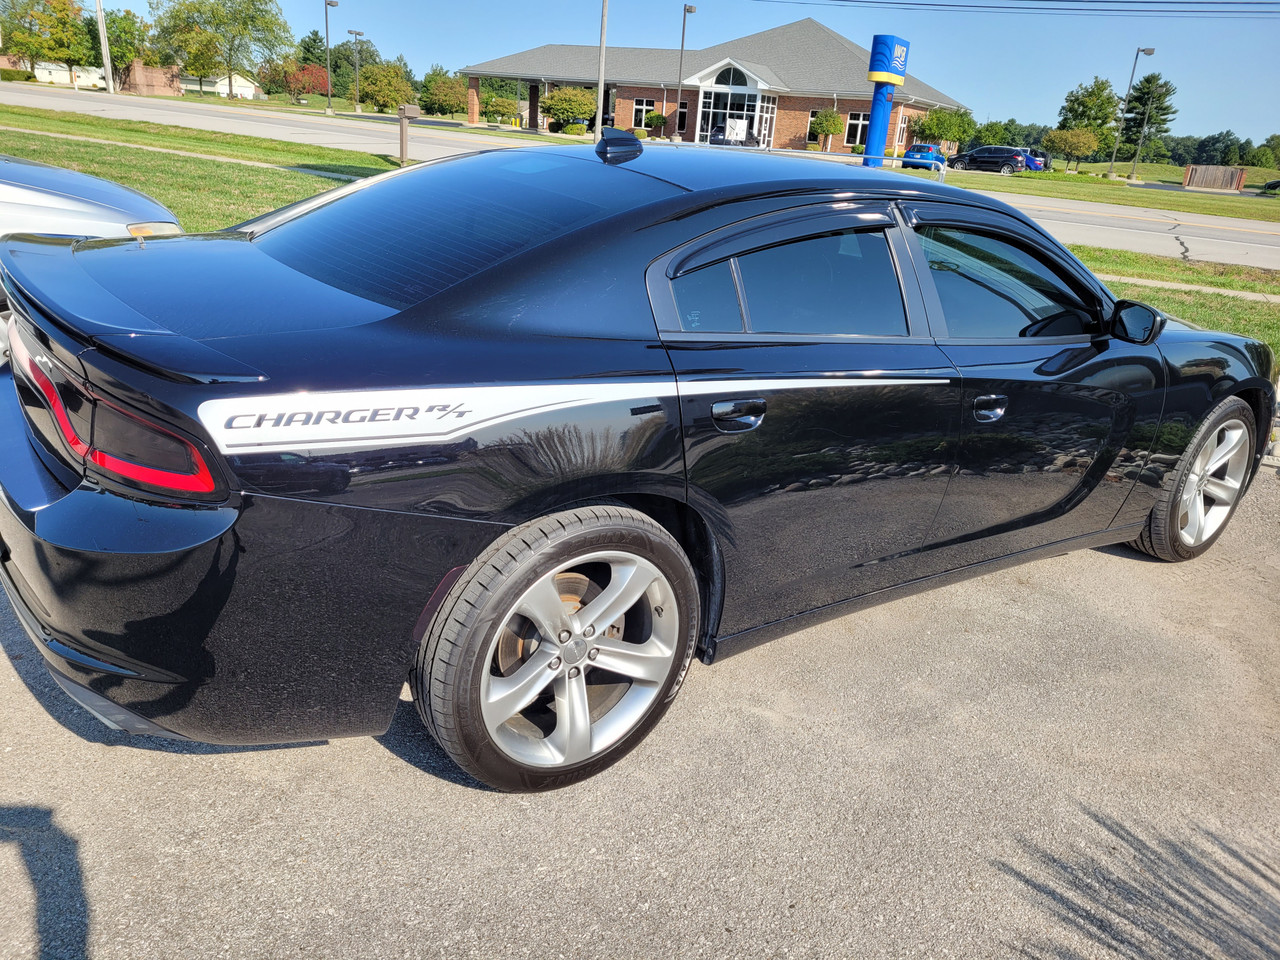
x=1170 y=285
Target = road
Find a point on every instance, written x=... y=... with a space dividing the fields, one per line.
x=369 y=136
x=1077 y=758
x=1197 y=237
x=1164 y=232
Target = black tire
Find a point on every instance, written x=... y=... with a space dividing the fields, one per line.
x=1161 y=537
x=462 y=652
x=959 y=165
x=1006 y=169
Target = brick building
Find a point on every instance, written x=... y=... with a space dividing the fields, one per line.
x=762 y=88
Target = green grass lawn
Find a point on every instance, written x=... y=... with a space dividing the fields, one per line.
x=1226 y=276
x=1110 y=191
x=205 y=194
x=1170 y=173
x=210 y=142
x=1214 y=310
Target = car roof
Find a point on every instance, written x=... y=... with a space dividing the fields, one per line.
x=741 y=172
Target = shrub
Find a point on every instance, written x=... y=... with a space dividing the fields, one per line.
x=858 y=148
x=574 y=129
x=640 y=133
x=569 y=103
x=17 y=75
x=826 y=125
x=656 y=120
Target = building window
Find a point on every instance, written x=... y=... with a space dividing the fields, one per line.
x=902 y=129
x=731 y=77
x=856 y=131
x=638 y=115
x=682 y=116
x=812 y=137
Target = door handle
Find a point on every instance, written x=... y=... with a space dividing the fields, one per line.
x=736 y=416
x=990 y=408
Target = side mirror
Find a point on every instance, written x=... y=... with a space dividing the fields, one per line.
x=1136 y=322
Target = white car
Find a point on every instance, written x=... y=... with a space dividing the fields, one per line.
x=38 y=198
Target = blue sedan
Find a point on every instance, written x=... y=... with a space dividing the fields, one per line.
x=925 y=156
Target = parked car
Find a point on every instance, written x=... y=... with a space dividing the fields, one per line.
x=1004 y=160
x=632 y=415
x=925 y=156
x=1034 y=163
x=39 y=198
x=1046 y=161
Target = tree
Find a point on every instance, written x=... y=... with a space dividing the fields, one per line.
x=1231 y=155
x=1091 y=106
x=1073 y=144
x=503 y=108
x=825 y=125
x=442 y=93
x=1272 y=143
x=991 y=133
x=569 y=103
x=944 y=126
x=128 y=36
x=1024 y=134
x=311 y=49
x=1261 y=157
x=1151 y=101
x=246 y=30
x=384 y=86
x=1214 y=149
x=1182 y=150
x=409 y=76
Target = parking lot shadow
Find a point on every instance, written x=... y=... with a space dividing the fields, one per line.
x=409 y=740
x=52 y=860
x=1137 y=894
x=29 y=666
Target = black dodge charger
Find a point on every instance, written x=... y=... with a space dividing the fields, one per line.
x=582 y=415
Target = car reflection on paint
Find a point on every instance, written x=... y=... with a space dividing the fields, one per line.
x=536 y=427
x=289 y=472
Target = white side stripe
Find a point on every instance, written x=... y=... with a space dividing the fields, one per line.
x=352 y=419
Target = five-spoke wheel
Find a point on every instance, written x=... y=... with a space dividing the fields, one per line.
x=559 y=648
x=1200 y=497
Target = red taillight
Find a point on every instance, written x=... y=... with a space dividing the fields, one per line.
x=104 y=451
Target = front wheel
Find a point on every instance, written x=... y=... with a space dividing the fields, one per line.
x=558 y=650
x=1193 y=511
x=960 y=165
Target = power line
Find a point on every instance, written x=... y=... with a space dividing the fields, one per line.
x=1195 y=10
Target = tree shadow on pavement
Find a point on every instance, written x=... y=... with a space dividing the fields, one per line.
x=29 y=665
x=409 y=740
x=1138 y=894
x=52 y=861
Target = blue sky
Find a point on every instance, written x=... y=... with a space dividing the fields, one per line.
x=1040 y=57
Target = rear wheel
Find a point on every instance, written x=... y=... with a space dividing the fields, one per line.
x=559 y=648
x=1193 y=511
x=1006 y=169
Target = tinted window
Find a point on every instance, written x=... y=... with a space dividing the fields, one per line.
x=707 y=300
x=401 y=239
x=991 y=289
x=841 y=283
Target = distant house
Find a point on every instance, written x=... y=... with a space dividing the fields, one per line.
x=240 y=86
x=58 y=72
x=766 y=87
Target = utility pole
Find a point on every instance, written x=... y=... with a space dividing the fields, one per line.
x=1141 y=136
x=604 y=19
x=106 y=50
x=684 y=22
x=328 y=61
x=1111 y=167
x=357 y=34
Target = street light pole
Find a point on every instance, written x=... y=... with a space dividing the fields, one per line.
x=106 y=50
x=1129 y=89
x=604 y=19
x=684 y=22
x=357 y=34
x=328 y=62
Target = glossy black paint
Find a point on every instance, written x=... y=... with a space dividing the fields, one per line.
x=291 y=609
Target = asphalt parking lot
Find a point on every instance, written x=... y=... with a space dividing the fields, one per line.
x=1076 y=758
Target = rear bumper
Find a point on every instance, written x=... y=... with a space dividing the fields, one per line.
x=267 y=620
